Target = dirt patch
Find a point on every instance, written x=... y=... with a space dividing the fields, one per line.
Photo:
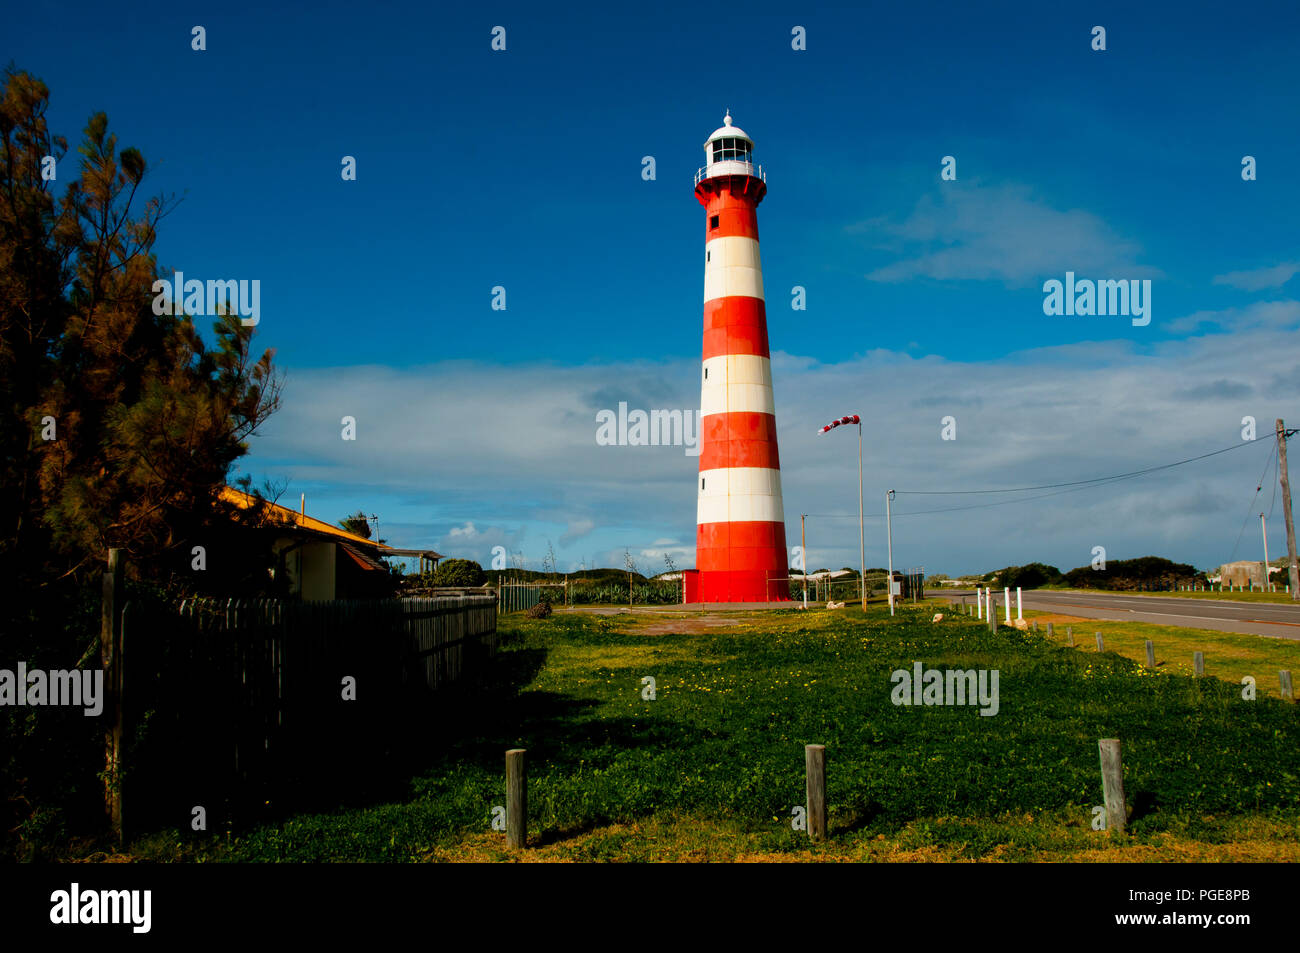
x=690 y=625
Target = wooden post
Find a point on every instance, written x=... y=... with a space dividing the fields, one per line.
x=1101 y=646
x=1284 y=678
x=993 y=613
x=1198 y=663
x=516 y=799
x=1051 y=632
x=1069 y=635
x=1151 y=654
x=815 y=764
x=110 y=654
x=1034 y=625
x=1112 y=784
x=1294 y=571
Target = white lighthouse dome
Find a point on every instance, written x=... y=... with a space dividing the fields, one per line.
x=729 y=151
x=728 y=131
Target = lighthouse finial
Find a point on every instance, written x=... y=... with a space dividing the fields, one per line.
x=726 y=120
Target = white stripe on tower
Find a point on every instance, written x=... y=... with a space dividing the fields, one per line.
x=736 y=383
x=732 y=268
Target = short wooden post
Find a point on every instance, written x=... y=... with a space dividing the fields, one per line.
x=815 y=764
x=110 y=654
x=1151 y=654
x=1112 y=784
x=1198 y=663
x=993 y=614
x=516 y=799
x=1101 y=646
x=1051 y=632
x=1069 y=635
x=1284 y=678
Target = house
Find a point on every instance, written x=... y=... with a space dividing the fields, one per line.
x=323 y=562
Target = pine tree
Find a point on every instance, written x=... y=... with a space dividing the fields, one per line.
x=149 y=419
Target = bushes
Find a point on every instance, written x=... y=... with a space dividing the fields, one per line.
x=458 y=572
x=1029 y=576
x=1146 y=572
x=644 y=592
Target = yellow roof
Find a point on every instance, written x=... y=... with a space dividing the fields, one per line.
x=282 y=514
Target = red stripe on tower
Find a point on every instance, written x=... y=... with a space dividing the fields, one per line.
x=740 y=552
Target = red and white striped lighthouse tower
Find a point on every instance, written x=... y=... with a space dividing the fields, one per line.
x=740 y=535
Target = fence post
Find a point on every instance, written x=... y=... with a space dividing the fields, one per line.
x=1112 y=784
x=1101 y=646
x=815 y=765
x=1198 y=663
x=1151 y=654
x=1019 y=613
x=1051 y=633
x=1006 y=593
x=110 y=654
x=1284 y=678
x=993 y=614
x=1069 y=635
x=516 y=799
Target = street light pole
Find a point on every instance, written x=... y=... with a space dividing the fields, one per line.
x=862 y=533
x=889 y=530
x=1264 y=529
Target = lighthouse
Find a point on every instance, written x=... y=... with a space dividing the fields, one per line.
x=740 y=553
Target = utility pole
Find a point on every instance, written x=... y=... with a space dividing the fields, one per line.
x=1286 y=510
x=889 y=530
x=803 y=557
x=1264 y=529
x=862 y=533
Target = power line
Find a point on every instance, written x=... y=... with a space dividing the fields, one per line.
x=1251 y=509
x=1051 y=486
x=1070 y=487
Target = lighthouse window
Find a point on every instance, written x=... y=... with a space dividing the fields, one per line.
x=725 y=149
x=701 y=483
x=706 y=373
x=713 y=222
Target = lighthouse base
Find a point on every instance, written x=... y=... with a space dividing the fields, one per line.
x=738 y=585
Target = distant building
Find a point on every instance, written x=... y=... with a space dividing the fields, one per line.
x=1244 y=572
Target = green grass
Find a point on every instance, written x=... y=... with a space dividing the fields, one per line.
x=1279 y=597
x=711 y=768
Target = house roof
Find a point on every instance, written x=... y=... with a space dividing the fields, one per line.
x=287 y=517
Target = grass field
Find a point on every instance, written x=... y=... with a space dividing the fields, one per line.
x=1279 y=597
x=711 y=768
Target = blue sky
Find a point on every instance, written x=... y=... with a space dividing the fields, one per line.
x=924 y=298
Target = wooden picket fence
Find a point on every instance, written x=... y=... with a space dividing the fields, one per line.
x=238 y=702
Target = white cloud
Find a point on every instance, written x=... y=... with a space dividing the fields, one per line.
x=467 y=456
x=977 y=232
x=1256 y=279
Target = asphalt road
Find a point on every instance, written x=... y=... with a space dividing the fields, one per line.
x=1255 y=618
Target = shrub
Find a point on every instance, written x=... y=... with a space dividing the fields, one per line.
x=458 y=572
